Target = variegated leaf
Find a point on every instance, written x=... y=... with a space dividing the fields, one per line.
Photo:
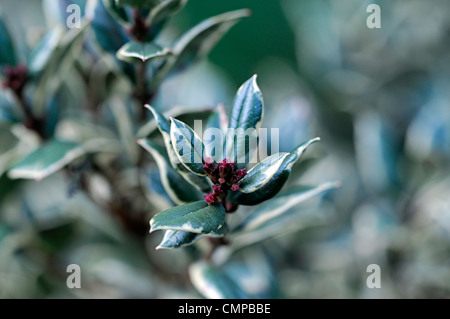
x=273 y=209
x=246 y=117
x=255 y=189
x=164 y=10
x=138 y=51
x=188 y=147
x=163 y=124
x=178 y=189
x=178 y=238
x=197 y=217
x=214 y=283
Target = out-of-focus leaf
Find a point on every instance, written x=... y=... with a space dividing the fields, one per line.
x=8 y=109
x=213 y=283
x=257 y=187
x=164 y=10
x=271 y=210
x=288 y=222
x=109 y=33
x=44 y=52
x=374 y=148
x=188 y=147
x=7 y=52
x=142 y=52
x=178 y=239
x=118 y=13
x=179 y=190
x=46 y=160
x=137 y=3
x=197 y=217
x=60 y=62
x=247 y=113
x=198 y=41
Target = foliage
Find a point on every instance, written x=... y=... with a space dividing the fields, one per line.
x=77 y=186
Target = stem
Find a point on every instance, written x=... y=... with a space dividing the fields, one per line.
x=141 y=89
x=31 y=121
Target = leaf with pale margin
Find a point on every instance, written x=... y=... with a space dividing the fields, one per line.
x=142 y=52
x=197 y=217
x=188 y=147
x=257 y=189
x=213 y=283
x=178 y=189
x=177 y=238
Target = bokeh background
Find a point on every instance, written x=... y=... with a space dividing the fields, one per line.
x=378 y=98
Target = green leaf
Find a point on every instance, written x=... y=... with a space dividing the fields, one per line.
x=178 y=189
x=60 y=63
x=7 y=52
x=178 y=238
x=214 y=283
x=46 y=160
x=137 y=3
x=44 y=52
x=109 y=33
x=274 y=208
x=197 y=217
x=198 y=41
x=262 y=173
x=139 y=51
x=248 y=106
x=117 y=12
x=199 y=182
x=290 y=221
x=164 y=10
x=188 y=147
x=262 y=183
x=247 y=113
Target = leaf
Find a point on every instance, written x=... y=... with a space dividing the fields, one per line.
x=199 y=182
x=61 y=61
x=46 y=160
x=178 y=238
x=290 y=221
x=7 y=52
x=213 y=283
x=138 y=51
x=262 y=173
x=8 y=109
x=198 y=41
x=246 y=114
x=257 y=188
x=197 y=217
x=274 y=208
x=137 y=3
x=248 y=106
x=118 y=13
x=164 y=10
x=188 y=147
x=109 y=33
x=44 y=51
x=178 y=189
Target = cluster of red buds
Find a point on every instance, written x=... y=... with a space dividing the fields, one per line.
x=224 y=176
x=15 y=77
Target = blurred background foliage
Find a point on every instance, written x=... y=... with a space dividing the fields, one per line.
x=378 y=98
